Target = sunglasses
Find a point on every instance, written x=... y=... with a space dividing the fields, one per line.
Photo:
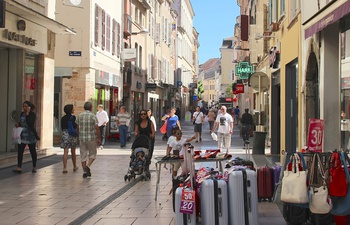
x=143 y=114
x=179 y=133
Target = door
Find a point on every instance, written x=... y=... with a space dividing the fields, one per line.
x=276 y=114
x=291 y=101
x=4 y=112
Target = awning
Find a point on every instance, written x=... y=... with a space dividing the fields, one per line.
x=330 y=18
x=37 y=18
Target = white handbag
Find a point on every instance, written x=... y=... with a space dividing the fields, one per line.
x=294 y=186
x=320 y=202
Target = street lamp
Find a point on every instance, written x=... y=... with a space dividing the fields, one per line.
x=143 y=31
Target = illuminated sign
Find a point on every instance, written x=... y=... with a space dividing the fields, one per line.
x=243 y=70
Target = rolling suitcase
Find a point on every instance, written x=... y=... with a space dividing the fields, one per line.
x=276 y=171
x=243 y=197
x=265 y=183
x=214 y=207
x=295 y=214
x=183 y=218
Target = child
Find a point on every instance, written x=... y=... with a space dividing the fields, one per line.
x=177 y=145
x=138 y=161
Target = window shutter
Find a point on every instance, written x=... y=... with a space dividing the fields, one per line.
x=158 y=33
x=113 y=36
x=108 y=34
x=118 y=39
x=96 y=24
x=103 y=29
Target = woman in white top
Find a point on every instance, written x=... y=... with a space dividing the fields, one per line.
x=151 y=117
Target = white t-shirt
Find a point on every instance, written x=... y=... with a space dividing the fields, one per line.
x=170 y=140
x=177 y=145
x=224 y=121
x=198 y=118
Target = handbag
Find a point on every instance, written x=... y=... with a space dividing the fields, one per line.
x=16 y=135
x=338 y=183
x=341 y=205
x=294 y=183
x=163 y=127
x=319 y=198
x=71 y=130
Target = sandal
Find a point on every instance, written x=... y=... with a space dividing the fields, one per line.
x=64 y=171
x=75 y=168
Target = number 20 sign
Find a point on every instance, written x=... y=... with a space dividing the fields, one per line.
x=315 y=135
x=187 y=201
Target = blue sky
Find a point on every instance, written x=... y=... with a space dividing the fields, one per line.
x=214 y=20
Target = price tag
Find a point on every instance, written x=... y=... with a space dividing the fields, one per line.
x=315 y=135
x=187 y=201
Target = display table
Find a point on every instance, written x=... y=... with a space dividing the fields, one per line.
x=159 y=163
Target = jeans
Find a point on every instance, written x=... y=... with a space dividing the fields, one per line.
x=245 y=132
x=123 y=132
x=103 y=134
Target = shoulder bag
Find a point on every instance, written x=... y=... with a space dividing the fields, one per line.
x=320 y=202
x=294 y=183
x=337 y=179
x=71 y=130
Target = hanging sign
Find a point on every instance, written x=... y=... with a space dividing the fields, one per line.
x=187 y=201
x=315 y=135
x=243 y=70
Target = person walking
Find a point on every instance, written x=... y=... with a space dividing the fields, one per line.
x=146 y=127
x=224 y=123
x=68 y=141
x=29 y=136
x=247 y=123
x=172 y=121
x=103 y=119
x=123 y=122
x=89 y=137
x=236 y=114
x=198 y=121
x=211 y=118
x=151 y=117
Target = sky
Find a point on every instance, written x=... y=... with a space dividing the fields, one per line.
x=214 y=20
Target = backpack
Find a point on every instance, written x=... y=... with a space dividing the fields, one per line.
x=71 y=130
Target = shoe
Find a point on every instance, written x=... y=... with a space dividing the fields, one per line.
x=196 y=141
x=85 y=175
x=17 y=171
x=88 y=172
x=33 y=170
x=246 y=142
x=75 y=168
x=200 y=139
x=65 y=171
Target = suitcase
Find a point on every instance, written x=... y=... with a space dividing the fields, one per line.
x=265 y=183
x=295 y=214
x=321 y=219
x=182 y=218
x=276 y=173
x=214 y=207
x=342 y=220
x=243 y=197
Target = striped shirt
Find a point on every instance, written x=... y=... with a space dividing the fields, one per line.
x=87 y=122
x=122 y=118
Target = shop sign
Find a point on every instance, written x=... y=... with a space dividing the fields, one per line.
x=239 y=88
x=13 y=36
x=243 y=70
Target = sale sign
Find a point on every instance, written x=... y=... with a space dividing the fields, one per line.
x=315 y=135
x=187 y=201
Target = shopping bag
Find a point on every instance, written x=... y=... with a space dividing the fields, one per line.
x=16 y=135
x=163 y=128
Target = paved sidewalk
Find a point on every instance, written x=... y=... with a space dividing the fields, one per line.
x=51 y=197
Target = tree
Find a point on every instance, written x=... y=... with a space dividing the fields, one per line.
x=228 y=92
x=200 y=89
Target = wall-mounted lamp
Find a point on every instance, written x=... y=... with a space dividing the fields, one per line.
x=259 y=36
x=143 y=31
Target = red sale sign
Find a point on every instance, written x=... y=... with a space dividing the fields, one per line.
x=187 y=201
x=315 y=135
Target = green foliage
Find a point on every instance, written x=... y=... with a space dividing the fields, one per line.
x=228 y=92
x=200 y=88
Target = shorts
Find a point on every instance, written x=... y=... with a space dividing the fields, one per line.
x=88 y=150
x=176 y=166
x=198 y=127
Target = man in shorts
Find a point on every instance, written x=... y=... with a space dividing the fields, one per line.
x=224 y=123
x=89 y=137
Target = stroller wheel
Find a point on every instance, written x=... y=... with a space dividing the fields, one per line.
x=134 y=176
x=125 y=177
x=129 y=177
x=142 y=177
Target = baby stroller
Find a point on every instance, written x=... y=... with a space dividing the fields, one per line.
x=140 y=144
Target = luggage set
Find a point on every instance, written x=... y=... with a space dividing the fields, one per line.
x=231 y=202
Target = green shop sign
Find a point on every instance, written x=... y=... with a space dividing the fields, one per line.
x=243 y=70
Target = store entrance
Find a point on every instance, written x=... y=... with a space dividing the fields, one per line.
x=4 y=113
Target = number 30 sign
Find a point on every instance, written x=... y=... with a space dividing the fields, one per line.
x=315 y=135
